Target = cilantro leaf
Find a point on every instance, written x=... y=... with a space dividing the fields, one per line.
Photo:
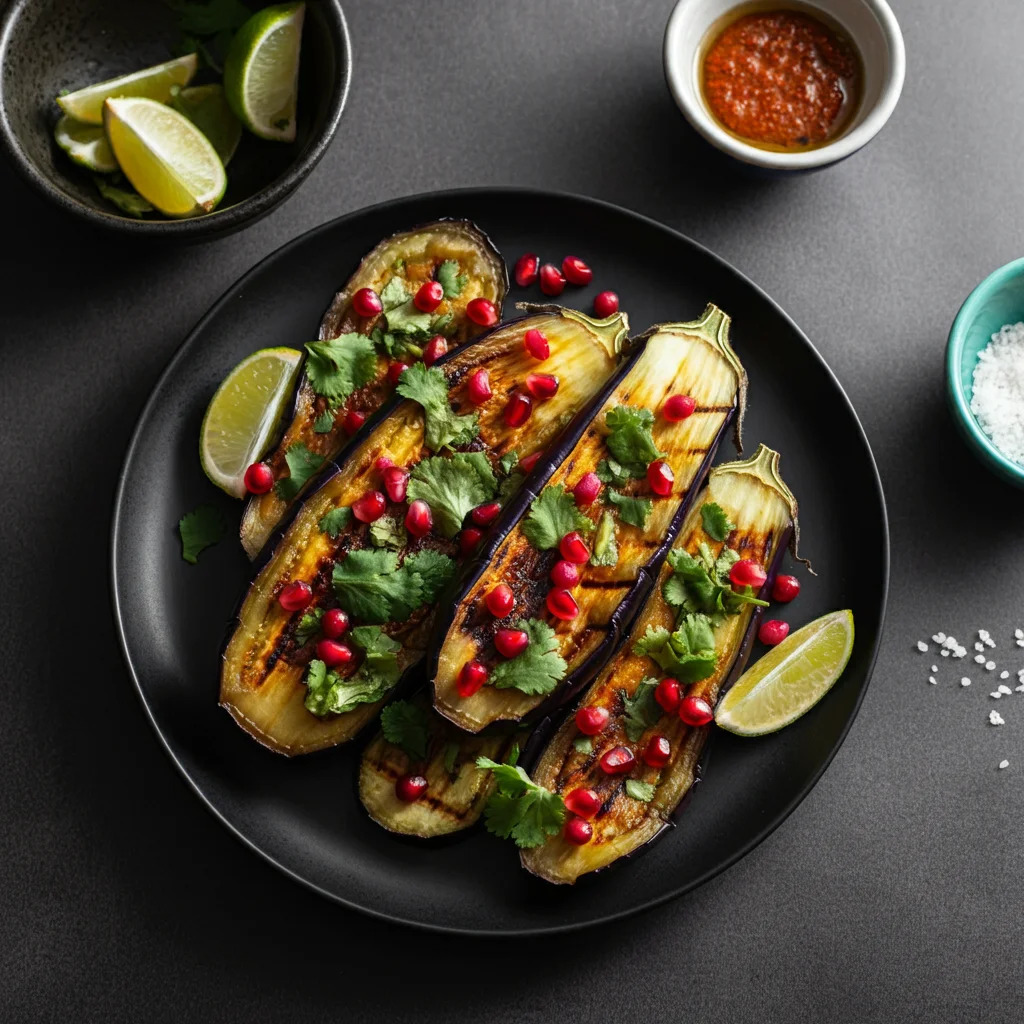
x=405 y=725
x=634 y=511
x=701 y=585
x=388 y=532
x=642 y=791
x=381 y=652
x=611 y=472
x=126 y=200
x=429 y=387
x=329 y=693
x=451 y=753
x=335 y=521
x=606 y=547
x=583 y=745
x=324 y=423
x=308 y=627
x=688 y=654
x=452 y=487
x=407 y=319
x=393 y=294
x=318 y=689
x=715 y=521
x=200 y=530
x=508 y=462
x=539 y=669
x=435 y=571
x=211 y=17
x=519 y=808
x=642 y=710
x=553 y=514
x=510 y=485
x=370 y=586
x=449 y=278
x=630 y=441
x=338 y=366
x=302 y=465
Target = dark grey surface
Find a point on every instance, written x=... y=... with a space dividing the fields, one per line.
x=890 y=893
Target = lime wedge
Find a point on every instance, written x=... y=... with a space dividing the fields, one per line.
x=207 y=108
x=85 y=144
x=154 y=83
x=244 y=414
x=261 y=71
x=165 y=156
x=790 y=679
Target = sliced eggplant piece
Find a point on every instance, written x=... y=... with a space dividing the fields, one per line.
x=692 y=359
x=409 y=258
x=266 y=658
x=638 y=805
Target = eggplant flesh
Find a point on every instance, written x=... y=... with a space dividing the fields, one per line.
x=417 y=254
x=683 y=358
x=765 y=513
x=263 y=663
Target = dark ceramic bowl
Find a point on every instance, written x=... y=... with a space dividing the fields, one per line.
x=50 y=45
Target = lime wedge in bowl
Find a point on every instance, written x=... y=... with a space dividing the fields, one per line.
x=790 y=679
x=244 y=415
x=154 y=83
x=165 y=156
x=261 y=71
x=207 y=108
x=86 y=144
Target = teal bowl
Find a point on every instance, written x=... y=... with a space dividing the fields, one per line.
x=998 y=300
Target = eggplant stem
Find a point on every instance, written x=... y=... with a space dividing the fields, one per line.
x=613 y=331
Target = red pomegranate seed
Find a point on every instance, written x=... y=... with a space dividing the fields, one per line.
x=661 y=478
x=576 y=271
x=696 y=711
x=500 y=600
x=658 y=751
x=472 y=676
x=434 y=349
x=785 y=588
x=383 y=463
x=468 y=540
x=551 y=280
x=395 y=370
x=518 y=410
x=564 y=574
x=354 y=420
x=484 y=515
x=678 y=407
x=428 y=297
x=259 y=478
x=536 y=343
x=526 y=269
x=479 y=387
x=511 y=642
x=482 y=312
x=668 y=696
x=410 y=788
x=773 y=632
x=331 y=653
x=542 y=385
x=419 y=520
x=396 y=482
x=587 y=488
x=334 y=623
x=370 y=507
x=562 y=605
x=591 y=720
x=573 y=548
x=747 y=573
x=295 y=596
x=605 y=304
x=366 y=302
x=618 y=761
x=584 y=803
x=527 y=464
x=578 y=832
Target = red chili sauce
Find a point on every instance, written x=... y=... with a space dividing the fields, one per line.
x=782 y=79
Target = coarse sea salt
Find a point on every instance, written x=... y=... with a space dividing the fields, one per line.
x=995 y=718
x=997 y=398
x=1004 y=764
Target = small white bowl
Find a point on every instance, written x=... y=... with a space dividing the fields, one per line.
x=869 y=23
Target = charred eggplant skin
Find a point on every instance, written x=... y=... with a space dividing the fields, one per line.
x=421 y=249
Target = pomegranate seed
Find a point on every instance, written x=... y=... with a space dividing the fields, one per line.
x=658 y=751
x=383 y=463
x=747 y=573
x=395 y=370
x=578 y=832
x=396 y=482
x=536 y=343
x=551 y=280
x=564 y=574
x=591 y=720
x=605 y=304
x=678 y=407
x=661 y=478
x=428 y=297
x=518 y=410
x=527 y=464
x=482 y=312
x=434 y=349
x=259 y=478
x=773 y=632
x=582 y=802
x=331 y=653
x=696 y=711
x=295 y=596
x=542 y=385
x=484 y=515
x=370 y=507
x=468 y=541
x=526 y=269
x=562 y=605
x=587 y=488
x=366 y=302
x=334 y=623
x=574 y=548
x=419 y=520
x=410 y=788
x=576 y=271
x=354 y=420
x=479 y=387
x=500 y=600
x=618 y=761
x=511 y=642
x=472 y=676
x=668 y=696
x=785 y=588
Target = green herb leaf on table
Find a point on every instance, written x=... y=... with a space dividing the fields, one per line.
x=641 y=710
x=520 y=809
x=451 y=753
x=335 y=521
x=452 y=487
x=634 y=511
x=715 y=521
x=642 y=791
x=388 y=532
x=553 y=514
x=429 y=387
x=308 y=627
x=611 y=472
x=630 y=441
x=126 y=200
x=302 y=465
x=539 y=669
x=200 y=530
x=405 y=725
x=449 y=278
x=324 y=423
x=338 y=366
x=688 y=654
x=583 y=745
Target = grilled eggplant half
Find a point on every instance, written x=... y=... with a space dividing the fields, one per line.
x=386 y=579
x=454 y=252
x=709 y=647
x=629 y=530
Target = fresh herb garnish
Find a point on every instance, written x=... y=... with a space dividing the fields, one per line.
x=328 y=693
x=701 y=585
x=451 y=753
x=553 y=514
x=200 y=530
x=388 y=532
x=641 y=710
x=302 y=464
x=308 y=627
x=630 y=441
x=539 y=669
x=642 y=791
x=634 y=511
x=429 y=387
x=406 y=726
x=519 y=808
x=338 y=366
x=688 y=654
x=370 y=585
x=583 y=745
x=452 y=487
x=715 y=521
x=324 y=423
x=610 y=472
x=126 y=200
x=449 y=278
x=335 y=521
x=508 y=462
x=606 y=547
x=510 y=485
x=400 y=311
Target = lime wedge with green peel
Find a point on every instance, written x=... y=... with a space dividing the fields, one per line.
x=165 y=156
x=154 y=83
x=86 y=144
x=261 y=72
x=790 y=679
x=207 y=108
x=244 y=415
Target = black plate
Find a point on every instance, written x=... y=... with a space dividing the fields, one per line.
x=303 y=814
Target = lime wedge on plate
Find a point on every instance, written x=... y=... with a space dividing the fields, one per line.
x=261 y=71
x=154 y=83
x=86 y=144
x=165 y=156
x=207 y=108
x=244 y=414
x=790 y=679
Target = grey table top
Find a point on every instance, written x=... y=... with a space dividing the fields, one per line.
x=887 y=896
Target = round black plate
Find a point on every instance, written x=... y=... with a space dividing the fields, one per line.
x=303 y=814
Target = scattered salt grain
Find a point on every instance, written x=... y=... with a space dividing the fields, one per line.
x=996 y=694
x=979 y=659
x=990 y=665
x=935 y=668
x=1005 y=690
x=965 y=681
x=922 y=646
x=949 y=642
x=997 y=397
x=944 y=652
x=1019 y=689
x=933 y=680
x=1002 y=675
x=1019 y=634
x=979 y=646
x=995 y=718
x=1004 y=764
